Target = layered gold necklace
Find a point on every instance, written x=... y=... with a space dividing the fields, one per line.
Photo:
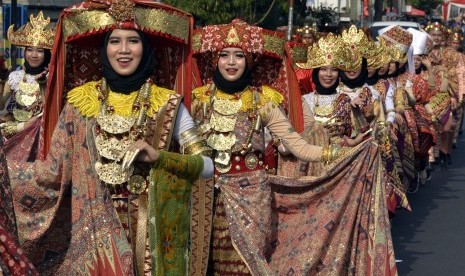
x=221 y=126
x=115 y=133
x=324 y=110
x=26 y=97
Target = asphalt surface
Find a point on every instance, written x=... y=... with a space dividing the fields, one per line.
x=430 y=240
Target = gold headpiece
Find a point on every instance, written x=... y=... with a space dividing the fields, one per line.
x=374 y=54
x=33 y=34
x=456 y=36
x=328 y=51
x=306 y=29
x=395 y=54
x=385 y=56
x=436 y=26
x=355 y=39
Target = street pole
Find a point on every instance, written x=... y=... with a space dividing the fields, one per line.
x=290 y=19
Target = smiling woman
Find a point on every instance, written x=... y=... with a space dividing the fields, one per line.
x=25 y=89
x=112 y=184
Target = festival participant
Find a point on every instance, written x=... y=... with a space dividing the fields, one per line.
x=251 y=234
x=448 y=64
x=353 y=80
x=423 y=83
x=231 y=110
x=398 y=76
x=326 y=113
x=25 y=89
x=110 y=199
x=307 y=37
x=455 y=42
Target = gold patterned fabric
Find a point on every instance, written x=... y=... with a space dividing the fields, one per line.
x=162 y=20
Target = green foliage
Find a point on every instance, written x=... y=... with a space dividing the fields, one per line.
x=223 y=11
x=426 y=5
x=265 y=13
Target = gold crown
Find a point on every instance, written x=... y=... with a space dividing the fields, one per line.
x=33 y=34
x=328 y=51
x=436 y=26
x=456 y=36
x=355 y=39
x=306 y=29
x=385 y=55
x=374 y=54
x=395 y=54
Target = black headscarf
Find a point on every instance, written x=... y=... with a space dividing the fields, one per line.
x=319 y=88
x=357 y=82
x=37 y=70
x=421 y=68
x=397 y=72
x=373 y=79
x=133 y=82
x=232 y=87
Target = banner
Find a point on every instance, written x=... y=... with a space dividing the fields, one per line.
x=9 y=54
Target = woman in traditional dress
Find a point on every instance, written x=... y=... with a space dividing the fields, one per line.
x=270 y=225
x=327 y=114
x=307 y=37
x=424 y=82
x=25 y=89
x=110 y=199
x=231 y=111
x=353 y=79
x=447 y=63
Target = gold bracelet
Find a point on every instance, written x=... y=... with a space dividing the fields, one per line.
x=188 y=134
x=199 y=147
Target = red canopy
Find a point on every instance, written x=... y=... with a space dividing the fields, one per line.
x=416 y=12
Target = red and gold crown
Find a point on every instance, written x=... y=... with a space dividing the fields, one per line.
x=397 y=37
x=385 y=56
x=328 y=51
x=34 y=34
x=254 y=41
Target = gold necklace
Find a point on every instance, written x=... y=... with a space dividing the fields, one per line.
x=222 y=121
x=323 y=111
x=115 y=133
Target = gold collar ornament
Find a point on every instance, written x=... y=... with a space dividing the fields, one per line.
x=34 y=34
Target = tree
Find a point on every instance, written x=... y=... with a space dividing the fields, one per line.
x=426 y=5
x=220 y=11
x=265 y=13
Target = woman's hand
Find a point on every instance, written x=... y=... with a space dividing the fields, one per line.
x=42 y=76
x=140 y=151
x=358 y=139
x=357 y=102
x=426 y=62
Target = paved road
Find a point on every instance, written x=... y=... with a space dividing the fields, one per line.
x=430 y=240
